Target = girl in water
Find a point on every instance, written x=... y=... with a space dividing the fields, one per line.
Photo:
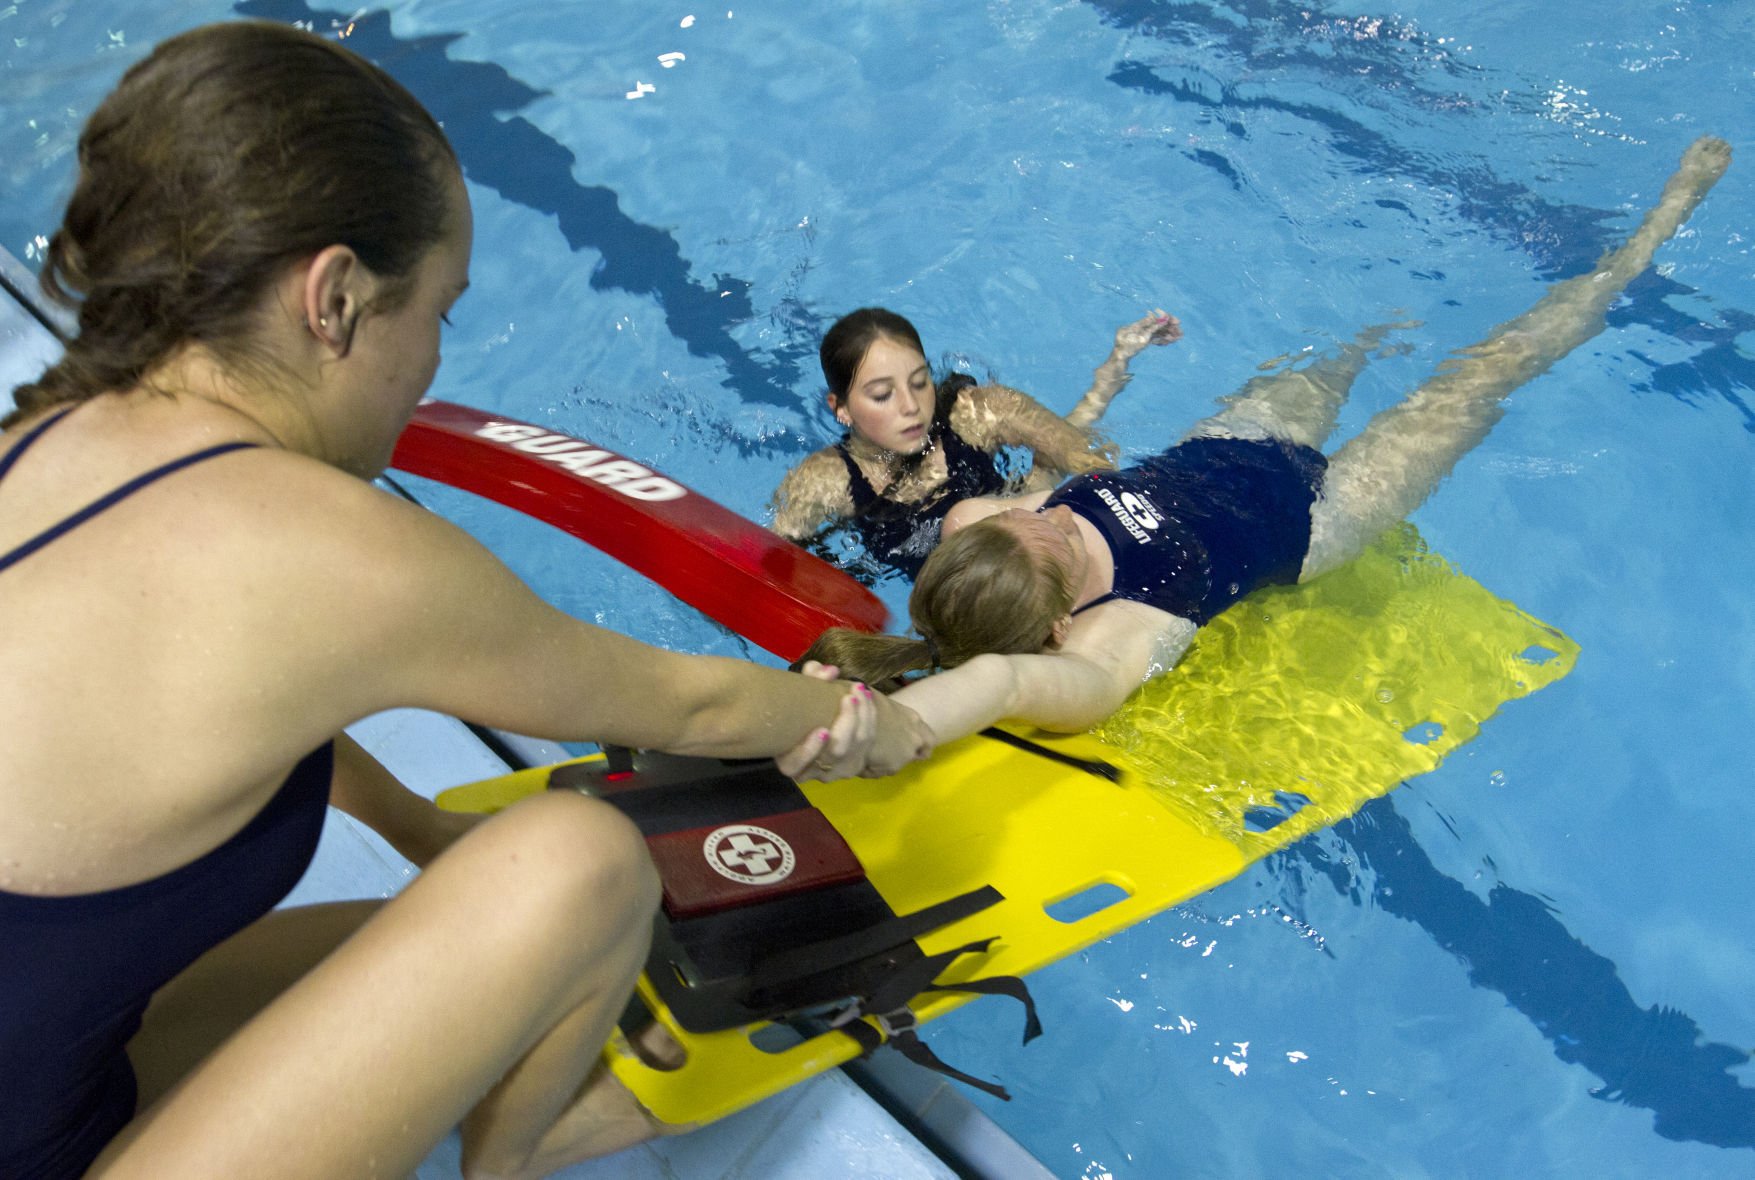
x=200 y=589
x=1050 y=608
x=915 y=447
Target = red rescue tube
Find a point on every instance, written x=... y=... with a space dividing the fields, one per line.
x=731 y=569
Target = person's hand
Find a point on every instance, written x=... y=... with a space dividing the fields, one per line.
x=1160 y=327
x=871 y=736
x=840 y=750
x=901 y=737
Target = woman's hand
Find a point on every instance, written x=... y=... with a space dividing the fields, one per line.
x=871 y=736
x=1160 y=327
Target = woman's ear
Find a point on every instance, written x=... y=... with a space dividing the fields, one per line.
x=1057 y=634
x=334 y=292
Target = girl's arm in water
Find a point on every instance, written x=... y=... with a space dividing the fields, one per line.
x=1159 y=327
x=994 y=416
x=812 y=495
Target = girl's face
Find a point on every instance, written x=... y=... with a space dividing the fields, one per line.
x=890 y=399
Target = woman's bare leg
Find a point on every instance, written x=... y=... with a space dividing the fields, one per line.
x=1299 y=404
x=486 y=989
x=1386 y=472
x=411 y=823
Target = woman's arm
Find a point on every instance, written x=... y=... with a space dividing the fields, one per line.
x=813 y=494
x=382 y=604
x=1109 y=652
x=994 y=416
x=1112 y=375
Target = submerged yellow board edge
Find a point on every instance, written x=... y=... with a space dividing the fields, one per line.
x=1297 y=706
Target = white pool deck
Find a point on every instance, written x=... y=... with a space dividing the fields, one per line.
x=824 y=1128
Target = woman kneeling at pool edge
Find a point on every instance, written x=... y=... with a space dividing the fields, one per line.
x=201 y=588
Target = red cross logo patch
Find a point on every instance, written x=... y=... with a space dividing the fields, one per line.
x=748 y=854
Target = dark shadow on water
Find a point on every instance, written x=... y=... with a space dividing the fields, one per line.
x=510 y=155
x=1280 y=40
x=1512 y=943
x=500 y=150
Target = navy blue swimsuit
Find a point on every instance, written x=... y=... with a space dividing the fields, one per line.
x=76 y=972
x=901 y=533
x=1202 y=524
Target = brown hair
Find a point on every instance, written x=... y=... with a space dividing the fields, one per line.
x=851 y=337
x=981 y=591
x=228 y=153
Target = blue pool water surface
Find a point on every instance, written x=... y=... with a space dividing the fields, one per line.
x=1535 y=960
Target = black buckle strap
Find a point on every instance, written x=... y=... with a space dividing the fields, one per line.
x=850 y=948
x=896 y=1022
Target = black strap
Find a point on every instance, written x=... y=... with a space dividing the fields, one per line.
x=1102 y=770
x=888 y=1005
x=109 y=499
x=30 y=437
x=830 y=953
x=908 y=1043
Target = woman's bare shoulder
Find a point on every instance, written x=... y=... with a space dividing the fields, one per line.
x=815 y=492
x=977 y=508
x=1136 y=641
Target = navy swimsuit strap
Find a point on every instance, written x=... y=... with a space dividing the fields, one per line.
x=1097 y=601
x=108 y=500
x=857 y=485
x=31 y=436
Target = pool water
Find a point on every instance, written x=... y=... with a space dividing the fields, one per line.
x=1532 y=961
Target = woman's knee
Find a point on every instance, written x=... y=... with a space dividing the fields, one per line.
x=580 y=856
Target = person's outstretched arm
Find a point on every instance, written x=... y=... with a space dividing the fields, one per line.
x=430 y=619
x=995 y=416
x=1159 y=327
x=1108 y=654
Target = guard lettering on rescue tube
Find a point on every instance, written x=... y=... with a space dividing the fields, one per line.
x=582 y=459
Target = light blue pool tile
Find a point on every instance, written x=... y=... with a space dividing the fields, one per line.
x=352 y=862
x=427 y=751
x=834 y=1129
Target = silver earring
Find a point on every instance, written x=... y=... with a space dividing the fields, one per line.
x=323 y=321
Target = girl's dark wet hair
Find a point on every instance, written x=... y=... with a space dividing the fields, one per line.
x=846 y=343
x=229 y=153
